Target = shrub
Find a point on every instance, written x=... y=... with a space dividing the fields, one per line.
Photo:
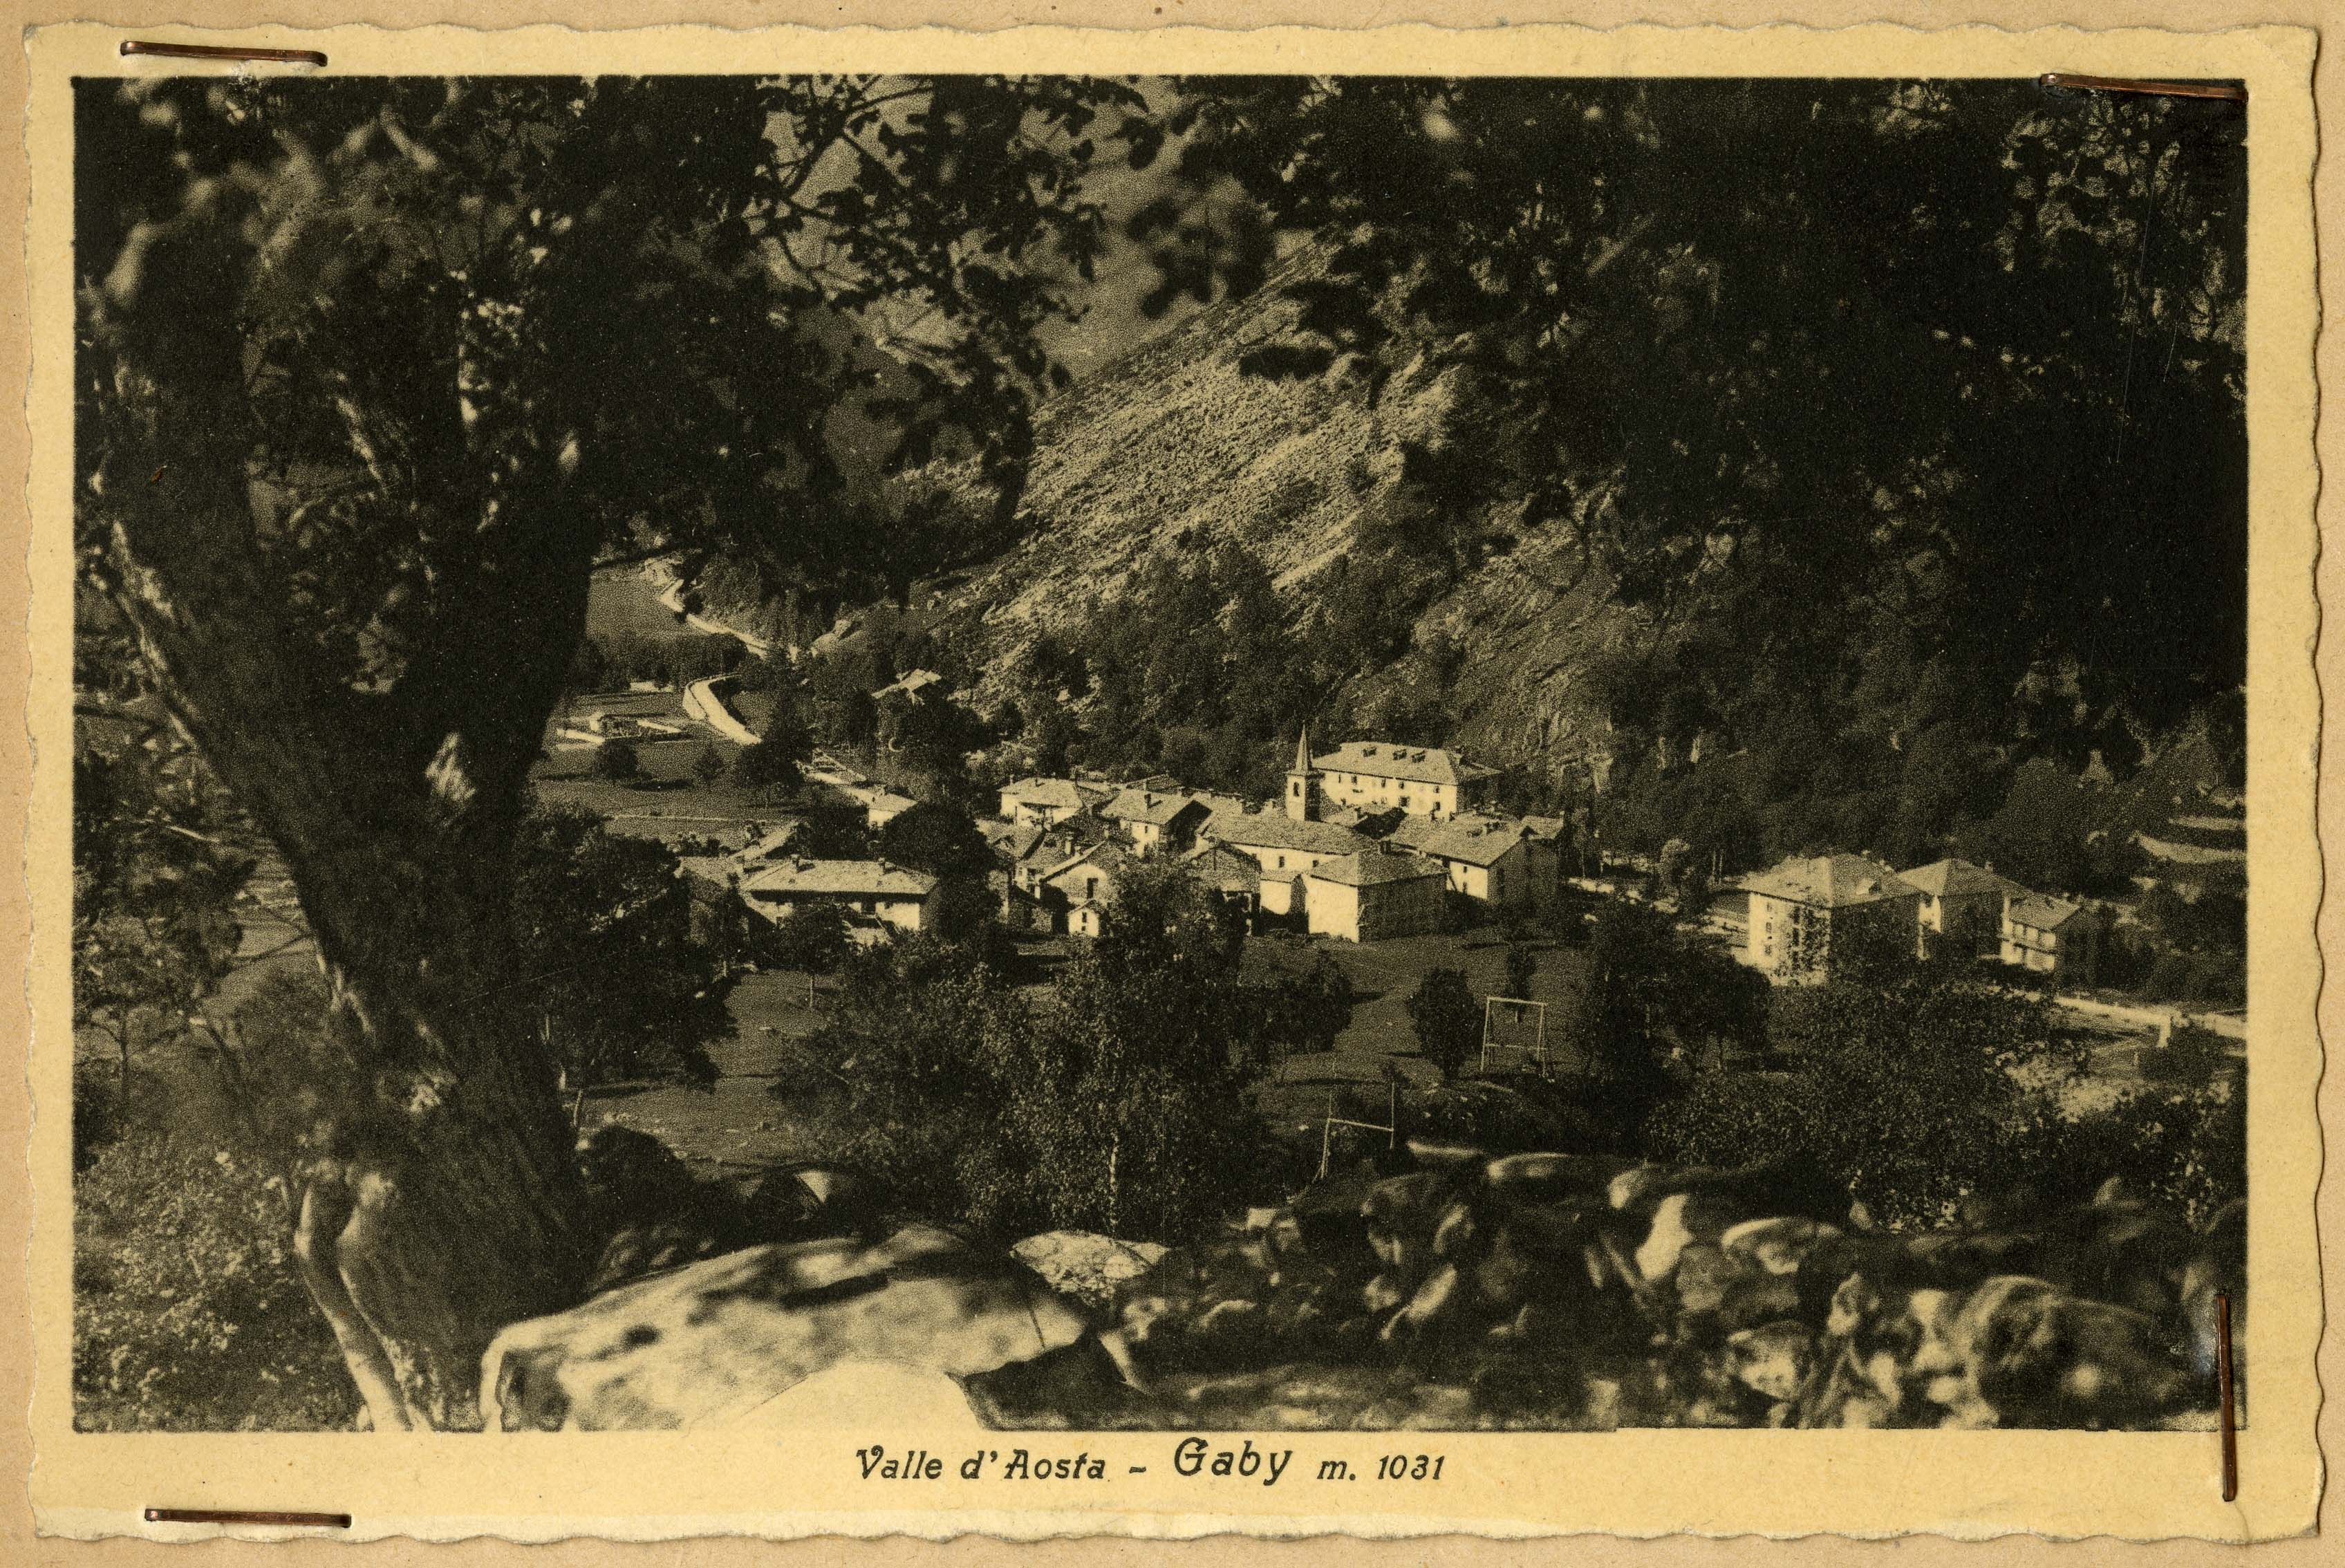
x=1116 y=1102
x=1910 y=1095
x=97 y=1110
x=772 y=765
x=616 y=761
x=1447 y=1018
x=190 y=1314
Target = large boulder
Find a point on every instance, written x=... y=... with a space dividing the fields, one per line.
x=1087 y=1266
x=2009 y=1351
x=711 y=1342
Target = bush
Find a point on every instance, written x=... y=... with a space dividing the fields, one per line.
x=1116 y=1102
x=190 y=1314
x=1447 y=1018
x=616 y=762
x=773 y=764
x=1907 y=1094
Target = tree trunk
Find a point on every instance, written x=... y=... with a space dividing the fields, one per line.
x=440 y=1199
x=445 y=1203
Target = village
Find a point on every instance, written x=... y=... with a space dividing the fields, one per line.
x=1374 y=846
x=1373 y=840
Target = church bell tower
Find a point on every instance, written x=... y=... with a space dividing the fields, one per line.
x=1303 y=782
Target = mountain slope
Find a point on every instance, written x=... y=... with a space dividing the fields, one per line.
x=1177 y=446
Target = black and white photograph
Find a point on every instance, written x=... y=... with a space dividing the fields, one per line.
x=1223 y=754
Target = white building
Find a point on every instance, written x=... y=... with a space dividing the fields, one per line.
x=1152 y=821
x=2052 y=936
x=1814 y=912
x=1487 y=859
x=1423 y=780
x=875 y=896
x=1373 y=894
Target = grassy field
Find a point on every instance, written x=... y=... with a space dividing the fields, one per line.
x=740 y=1127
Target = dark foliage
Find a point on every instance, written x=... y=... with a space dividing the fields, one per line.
x=1116 y=1102
x=617 y=761
x=608 y=964
x=1448 y=1019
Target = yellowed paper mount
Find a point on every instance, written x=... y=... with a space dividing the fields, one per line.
x=887 y=1441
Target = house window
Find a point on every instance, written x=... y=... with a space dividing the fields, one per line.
x=1091 y=887
x=1281 y=863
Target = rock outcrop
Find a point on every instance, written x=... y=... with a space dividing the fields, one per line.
x=1544 y=1290
x=709 y=1343
x=1564 y=1292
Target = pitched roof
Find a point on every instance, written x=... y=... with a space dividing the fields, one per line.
x=1218 y=804
x=1415 y=764
x=1011 y=839
x=1375 y=867
x=1147 y=805
x=717 y=869
x=769 y=843
x=1219 y=866
x=1109 y=857
x=1045 y=792
x=1471 y=840
x=796 y=876
x=1956 y=879
x=1277 y=830
x=1831 y=881
x=1065 y=837
x=2041 y=912
x=888 y=800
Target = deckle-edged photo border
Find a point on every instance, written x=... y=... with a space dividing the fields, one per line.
x=804 y=1481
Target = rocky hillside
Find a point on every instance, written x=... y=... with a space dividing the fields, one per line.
x=1177 y=446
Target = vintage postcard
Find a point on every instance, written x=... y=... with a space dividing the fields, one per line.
x=1304 y=782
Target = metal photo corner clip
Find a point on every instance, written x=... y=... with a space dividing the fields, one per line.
x=2071 y=81
x=242 y=54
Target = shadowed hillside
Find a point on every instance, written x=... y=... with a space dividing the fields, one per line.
x=1179 y=447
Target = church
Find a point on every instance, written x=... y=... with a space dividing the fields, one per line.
x=1341 y=882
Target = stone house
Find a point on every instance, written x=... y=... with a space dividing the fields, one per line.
x=881 y=806
x=1152 y=821
x=1078 y=890
x=1487 y=859
x=1961 y=911
x=1053 y=847
x=2052 y=936
x=1282 y=848
x=1228 y=872
x=1048 y=801
x=1423 y=780
x=1373 y=894
x=875 y=897
x=1814 y=912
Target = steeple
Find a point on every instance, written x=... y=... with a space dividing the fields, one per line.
x=1303 y=781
